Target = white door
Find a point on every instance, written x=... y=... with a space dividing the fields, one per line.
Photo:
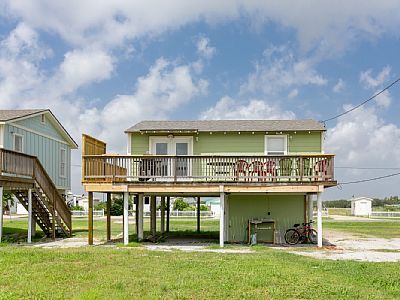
x=176 y=146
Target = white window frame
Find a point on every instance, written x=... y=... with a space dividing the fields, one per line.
x=22 y=141
x=65 y=163
x=285 y=136
x=171 y=143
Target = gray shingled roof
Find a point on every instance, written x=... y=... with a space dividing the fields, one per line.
x=229 y=125
x=11 y=114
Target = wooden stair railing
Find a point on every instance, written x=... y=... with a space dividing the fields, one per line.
x=48 y=205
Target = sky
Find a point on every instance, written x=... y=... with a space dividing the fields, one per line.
x=101 y=66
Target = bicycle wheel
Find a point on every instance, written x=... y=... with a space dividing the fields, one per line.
x=312 y=236
x=292 y=236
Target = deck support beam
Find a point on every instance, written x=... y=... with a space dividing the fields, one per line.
x=30 y=216
x=90 y=218
x=153 y=216
x=1 y=212
x=168 y=212
x=319 y=219
x=198 y=214
x=222 y=217
x=162 y=215
x=140 y=208
x=310 y=208
x=108 y=217
x=126 y=218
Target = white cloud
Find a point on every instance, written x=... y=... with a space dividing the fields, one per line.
x=362 y=139
x=228 y=108
x=375 y=83
x=329 y=26
x=280 y=71
x=339 y=86
x=204 y=49
x=164 y=89
x=293 y=93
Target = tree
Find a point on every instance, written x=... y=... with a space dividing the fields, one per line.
x=7 y=198
x=180 y=204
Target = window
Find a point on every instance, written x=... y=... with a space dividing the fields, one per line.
x=18 y=143
x=42 y=119
x=276 y=145
x=63 y=162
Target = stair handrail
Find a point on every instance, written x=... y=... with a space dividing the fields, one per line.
x=25 y=165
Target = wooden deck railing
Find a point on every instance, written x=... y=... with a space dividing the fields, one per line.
x=26 y=166
x=152 y=168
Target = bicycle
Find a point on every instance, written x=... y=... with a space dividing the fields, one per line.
x=302 y=234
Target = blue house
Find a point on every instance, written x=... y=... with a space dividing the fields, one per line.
x=35 y=165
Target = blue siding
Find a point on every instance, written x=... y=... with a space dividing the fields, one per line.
x=45 y=148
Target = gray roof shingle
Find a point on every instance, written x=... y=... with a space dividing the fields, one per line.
x=229 y=125
x=11 y=114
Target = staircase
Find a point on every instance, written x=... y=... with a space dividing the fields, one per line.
x=49 y=209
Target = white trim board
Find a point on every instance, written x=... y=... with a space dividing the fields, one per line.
x=2 y=136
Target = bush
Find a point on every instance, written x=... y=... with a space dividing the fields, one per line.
x=100 y=206
x=180 y=204
x=203 y=207
x=77 y=208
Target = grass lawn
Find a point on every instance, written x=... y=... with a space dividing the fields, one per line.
x=109 y=273
x=131 y=273
x=385 y=229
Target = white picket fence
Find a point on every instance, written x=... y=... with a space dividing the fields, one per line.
x=385 y=214
x=325 y=213
x=85 y=213
x=185 y=214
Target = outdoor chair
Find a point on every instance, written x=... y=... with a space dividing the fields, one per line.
x=256 y=169
x=286 y=167
x=241 y=168
x=270 y=169
x=321 y=169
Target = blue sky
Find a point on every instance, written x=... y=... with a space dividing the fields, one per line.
x=102 y=66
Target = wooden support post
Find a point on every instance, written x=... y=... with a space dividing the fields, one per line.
x=198 y=214
x=168 y=212
x=30 y=216
x=108 y=217
x=140 y=217
x=53 y=225
x=221 y=217
x=1 y=212
x=90 y=218
x=153 y=216
x=136 y=203
x=319 y=219
x=126 y=220
x=162 y=215
x=310 y=208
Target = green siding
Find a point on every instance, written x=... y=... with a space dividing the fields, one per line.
x=46 y=149
x=286 y=210
x=139 y=143
x=305 y=142
x=220 y=143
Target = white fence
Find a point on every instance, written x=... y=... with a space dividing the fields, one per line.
x=185 y=214
x=385 y=214
x=85 y=213
x=325 y=213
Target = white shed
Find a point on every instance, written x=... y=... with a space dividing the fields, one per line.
x=361 y=206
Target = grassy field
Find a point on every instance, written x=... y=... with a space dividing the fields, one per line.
x=121 y=273
x=382 y=229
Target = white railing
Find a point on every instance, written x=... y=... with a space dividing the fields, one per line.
x=385 y=214
x=85 y=213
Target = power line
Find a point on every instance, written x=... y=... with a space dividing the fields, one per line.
x=364 y=102
x=369 y=179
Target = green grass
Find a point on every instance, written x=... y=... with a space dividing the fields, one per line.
x=379 y=229
x=133 y=272
x=107 y=273
x=340 y=211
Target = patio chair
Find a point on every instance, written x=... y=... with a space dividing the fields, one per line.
x=256 y=169
x=286 y=167
x=270 y=169
x=241 y=168
x=321 y=169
